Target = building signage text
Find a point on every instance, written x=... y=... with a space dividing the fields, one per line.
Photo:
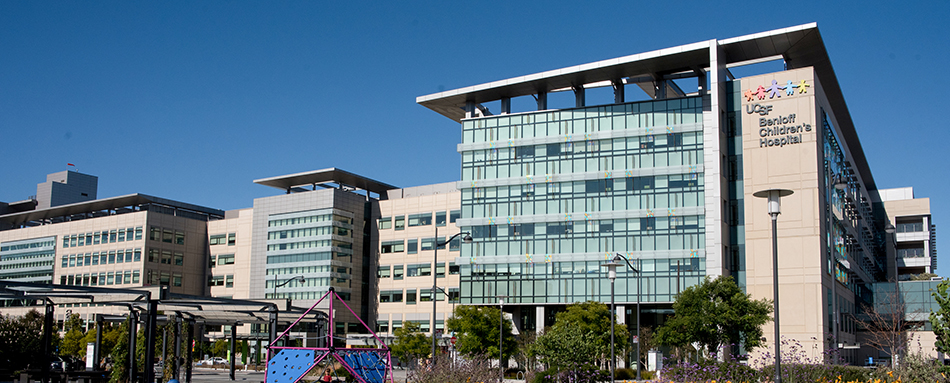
x=776 y=130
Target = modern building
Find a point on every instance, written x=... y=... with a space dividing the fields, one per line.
x=667 y=178
x=128 y=241
x=655 y=156
x=413 y=221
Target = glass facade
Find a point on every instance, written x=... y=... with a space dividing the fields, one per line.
x=317 y=245
x=550 y=195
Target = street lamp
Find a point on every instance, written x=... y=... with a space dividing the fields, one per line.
x=775 y=208
x=276 y=285
x=501 y=334
x=612 y=275
x=435 y=276
x=890 y=230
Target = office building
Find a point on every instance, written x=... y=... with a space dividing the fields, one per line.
x=667 y=178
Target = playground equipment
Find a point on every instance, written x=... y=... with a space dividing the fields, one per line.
x=290 y=364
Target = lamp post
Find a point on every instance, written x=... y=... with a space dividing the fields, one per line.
x=435 y=277
x=890 y=230
x=276 y=285
x=501 y=335
x=612 y=275
x=775 y=208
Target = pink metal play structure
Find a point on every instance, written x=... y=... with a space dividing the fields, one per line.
x=291 y=364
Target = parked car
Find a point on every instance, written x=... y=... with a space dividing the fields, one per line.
x=213 y=361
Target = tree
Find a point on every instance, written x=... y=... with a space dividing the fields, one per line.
x=73 y=340
x=477 y=331
x=588 y=323
x=120 y=352
x=716 y=313
x=21 y=340
x=886 y=327
x=410 y=344
x=567 y=347
x=940 y=319
x=220 y=348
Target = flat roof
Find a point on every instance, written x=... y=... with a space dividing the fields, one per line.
x=104 y=204
x=800 y=46
x=317 y=177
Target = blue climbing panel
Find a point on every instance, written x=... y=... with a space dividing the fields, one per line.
x=289 y=365
x=369 y=365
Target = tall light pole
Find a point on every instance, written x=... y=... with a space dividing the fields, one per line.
x=276 y=285
x=501 y=335
x=435 y=277
x=612 y=275
x=889 y=242
x=775 y=208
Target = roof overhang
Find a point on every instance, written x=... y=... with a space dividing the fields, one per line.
x=324 y=176
x=105 y=205
x=800 y=46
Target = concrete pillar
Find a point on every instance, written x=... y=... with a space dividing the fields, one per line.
x=580 y=97
x=543 y=100
x=505 y=105
x=618 y=91
x=469 y=109
x=233 y=350
x=95 y=354
x=47 y=338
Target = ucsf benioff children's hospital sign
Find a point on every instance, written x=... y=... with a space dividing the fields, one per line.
x=778 y=123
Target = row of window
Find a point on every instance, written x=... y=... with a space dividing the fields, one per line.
x=566 y=151
x=534 y=250
x=310 y=232
x=309 y=219
x=221 y=280
x=660 y=203
x=560 y=229
x=163 y=278
x=229 y=239
x=102 y=258
x=307 y=269
x=649 y=114
x=916 y=252
x=166 y=235
x=307 y=282
x=166 y=257
x=220 y=259
x=310 y=295
x=614 y=164
x=101 y=279
x=29 y=245
x=103 y=237
x=306 y=257
x=911 y=227
x=9 y=266
x=415 y=270
x=421 y=219
x=424 y=295
x=411 y=246
x=382 y=326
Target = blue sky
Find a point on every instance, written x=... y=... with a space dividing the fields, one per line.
x=193 y=100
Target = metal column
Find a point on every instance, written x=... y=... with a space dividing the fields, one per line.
x=149 y=373
x=233 y=341
x=176 y=372
x=133 y=323
x=190 y=345
x=47 y=339
x=96 y=353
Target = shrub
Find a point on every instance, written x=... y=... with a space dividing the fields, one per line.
x=461 y=370
x=579 y=374
x=626 y=373
x=709 y=370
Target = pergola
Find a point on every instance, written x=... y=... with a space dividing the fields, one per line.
x=144 y=305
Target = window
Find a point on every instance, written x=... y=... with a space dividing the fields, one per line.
x=453 y=268
x=385 y=223
x=440 y=218
x=135 y=277
x=411 y=297
x=218 y=239
x=138 y=255
x=179 y=259
x=640 y=183
x=232 y=239
x=392 y=247
x=419 y=270
x=121 y=235
x=165 y=279
x=412 y=246
x=166 y=257
x=429 y=243
x=397 y=272
x=138 y=233
x=454 y=215
x=382 y=272
x=127 y=277
x=454 y=295
x=153 y=255
x=400 y=222
x=423 y=219
x=226 y=259
x=440 y=270
x=179 y=238
x=215 y=280
x=382 y=326
x=119 y=256
x=168 y=236
x=112 y=257
x=176 y=280
x=113 y=236
x=229 y=281
x=390 y=296
x=95 y=238
x=212 y=261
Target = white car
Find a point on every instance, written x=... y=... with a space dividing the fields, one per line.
x=213 y=361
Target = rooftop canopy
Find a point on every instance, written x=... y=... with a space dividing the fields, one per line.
x=296 y=182
x=109 y=206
